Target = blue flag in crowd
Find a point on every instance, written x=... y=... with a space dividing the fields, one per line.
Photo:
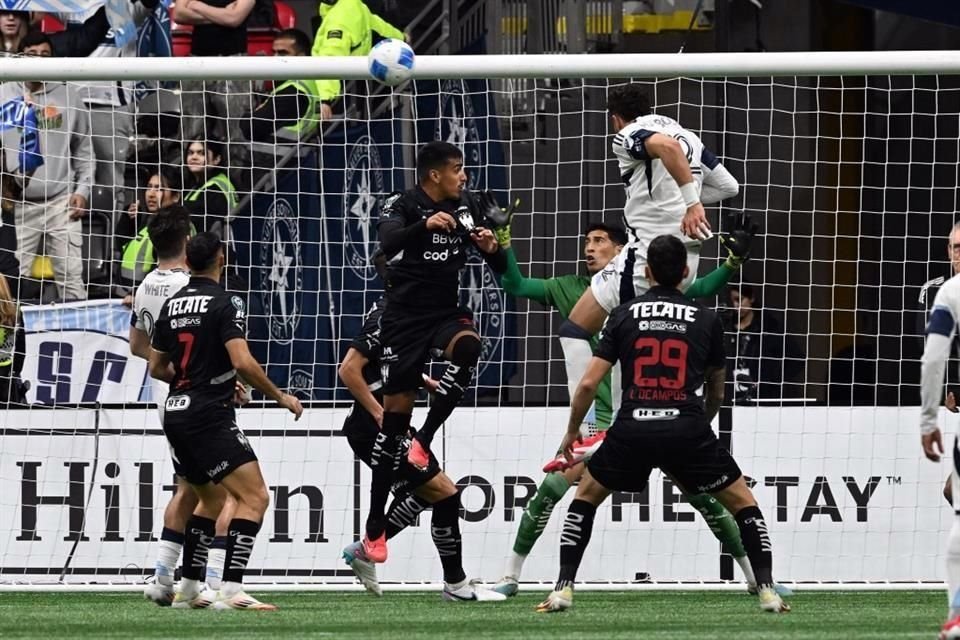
x=118 y=13
x=18 y=114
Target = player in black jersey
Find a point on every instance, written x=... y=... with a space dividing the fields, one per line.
x=671 y=346
x=199 y=348
x=415 y=488
x=425 y=233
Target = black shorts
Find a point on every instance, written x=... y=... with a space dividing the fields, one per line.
x=409 y=339
x=361 y=431
x=207 y=445
x=684 y=448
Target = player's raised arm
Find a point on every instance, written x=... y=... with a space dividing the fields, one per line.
x=671 y=153
x=718 y=183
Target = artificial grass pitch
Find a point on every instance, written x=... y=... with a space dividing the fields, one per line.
x=410 y=616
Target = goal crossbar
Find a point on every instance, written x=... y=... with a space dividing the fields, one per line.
x=796 y=63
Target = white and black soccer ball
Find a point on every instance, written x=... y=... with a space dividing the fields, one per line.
x=391 y=62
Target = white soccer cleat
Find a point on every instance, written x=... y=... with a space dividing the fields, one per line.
x=771 y=601
x=470 y=591
x=508 y=586
x=159 y=594
x=194 y=600
x=365 y=570
x=557 y=601
x=240 y=600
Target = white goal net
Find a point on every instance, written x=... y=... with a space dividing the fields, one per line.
x=853 y=180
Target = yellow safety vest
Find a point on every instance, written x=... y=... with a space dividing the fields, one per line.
x=220 y=181
x=7 y=346
x=307 y=124
x=138 y=259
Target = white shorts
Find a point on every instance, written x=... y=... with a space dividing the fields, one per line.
x=605 y=284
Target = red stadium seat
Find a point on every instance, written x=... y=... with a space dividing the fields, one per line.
x=284 y=17
x=51 y=24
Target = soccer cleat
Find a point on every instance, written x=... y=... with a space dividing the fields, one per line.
x=365 y=570
x=508 y=586
x=418 y=455
x=951 y=630
x=557 y=601
x=375 y=550
x=582 y=451
x=771 y=601
x=470 y=591
x=240 y=600
x=159 y=594
x=782 y=590
x=195 y=600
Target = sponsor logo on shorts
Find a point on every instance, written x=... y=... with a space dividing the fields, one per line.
x=706 y=488
x=177 y=403
x=457 y=125
x=362 y=198
x=281 y=280
x=480 y=292
x=212 y=473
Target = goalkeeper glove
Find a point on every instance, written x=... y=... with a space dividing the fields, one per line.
x=496 y=217
x=737 y=242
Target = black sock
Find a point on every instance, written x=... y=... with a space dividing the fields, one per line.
x=403 y=512
x=197 y=538
x=453 y=384
x=241 y=535
x=577 y=527
x=756 y=542
x=384 y=461
x=445 y=529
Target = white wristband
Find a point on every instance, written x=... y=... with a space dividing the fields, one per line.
x=690 y=194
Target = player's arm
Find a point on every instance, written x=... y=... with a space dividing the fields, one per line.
x=252 y=373
x=520 y=286
x=139 y=343
x=936 y=351
x=670 y=152
x=351 y=372
x=586 y=392
x=160 y=366
x=161 y=345
x=718 y=183
x=397 y=230
x=737 y=243
x=713 y=382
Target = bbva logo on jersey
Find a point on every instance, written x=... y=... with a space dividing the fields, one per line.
x=362 y=197
x=281 y=279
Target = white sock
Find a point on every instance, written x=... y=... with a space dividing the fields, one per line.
x=168 y=553
x=576 y=356
x=747 y=570
x=515 y=565
x=230 y=589
x=458 y=585
x=215 y=561
x=953 y=568
x=190 y=587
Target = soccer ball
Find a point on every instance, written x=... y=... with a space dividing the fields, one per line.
x=391 y=62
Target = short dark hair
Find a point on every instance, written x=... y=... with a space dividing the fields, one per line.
x=168 y=230
x=33 y=38
x=435 y=155
x=379 y=260
x=615 y=232
x=202 y=251
x=301 y=41
x=168 y=177
x=745 y=290
x=629 y=101
x=666 y=257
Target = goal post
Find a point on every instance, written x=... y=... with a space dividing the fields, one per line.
x=847 y=160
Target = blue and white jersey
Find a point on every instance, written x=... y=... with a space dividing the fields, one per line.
x=941 y=329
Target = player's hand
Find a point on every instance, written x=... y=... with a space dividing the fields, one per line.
x=499 y=218
x=932 y=445
x=326 y=111
x=694 y=224
x=951 y=403
x=485 y=240
x=241 y=395
x=291 y=404
x=76 y=206
x=738 y=241
x=569 y=440
x=430 y=384
x=378 y=416
x=441 y=221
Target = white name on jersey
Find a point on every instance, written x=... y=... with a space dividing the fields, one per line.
x=659 y=309
x=155 y=289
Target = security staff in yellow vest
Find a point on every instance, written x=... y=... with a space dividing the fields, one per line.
x=137 y=257
x=13 y=348
x=210 y=195
x=347 y=30
x=289 y=112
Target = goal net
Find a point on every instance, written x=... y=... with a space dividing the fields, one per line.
x=852 y=178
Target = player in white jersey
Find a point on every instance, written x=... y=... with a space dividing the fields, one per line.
x=941 y=330
x=669 y=174
x=169 y=229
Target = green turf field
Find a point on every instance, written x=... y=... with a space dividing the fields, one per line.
x=408 y=616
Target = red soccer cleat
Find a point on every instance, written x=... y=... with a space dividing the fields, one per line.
x=417 y=455
x=581 y=453
x=375 y=550
x=951 y=630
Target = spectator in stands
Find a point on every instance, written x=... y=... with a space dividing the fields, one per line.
x=765 y=357
x=13 y=348
x=347 y=30
x=74 y=43
x=10 y=193
x=56 y=195
x=289 y=112
x=210 y=195
x=137 y=258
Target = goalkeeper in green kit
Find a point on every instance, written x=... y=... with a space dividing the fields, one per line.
x=602 y=243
